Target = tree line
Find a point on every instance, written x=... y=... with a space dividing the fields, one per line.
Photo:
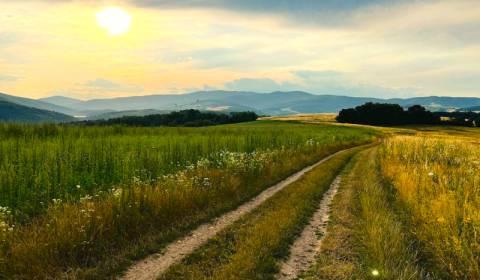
x=394 y=114
x=187 y=118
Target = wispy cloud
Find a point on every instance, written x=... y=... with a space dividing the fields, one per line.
x=8 y=78
x=319 y=82
x=104 y=85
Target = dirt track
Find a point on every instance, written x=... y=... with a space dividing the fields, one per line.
x=308 y=245
x=154 y=265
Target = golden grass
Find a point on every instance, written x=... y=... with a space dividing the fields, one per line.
x=437 y=182
x=324 y=117
x=365 y=235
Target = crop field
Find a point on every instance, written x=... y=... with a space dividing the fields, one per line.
x=73 y=196
x=215 y=203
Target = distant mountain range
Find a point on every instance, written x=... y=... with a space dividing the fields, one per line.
x=18 y=113
x=39 y=104
x=275 y=103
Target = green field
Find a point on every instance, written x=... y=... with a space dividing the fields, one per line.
x=89 y=202
x=39 y=164
x=76 y=195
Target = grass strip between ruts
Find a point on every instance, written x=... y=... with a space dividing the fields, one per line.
x=252 y=247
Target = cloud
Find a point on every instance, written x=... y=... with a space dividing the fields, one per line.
x=260 y=85
x=103 y=85
x=267 y=6
x=7 y=38
x=375 y=47
x=319 y=82
x=311 y=12
x=97 y=88
x=8 y=78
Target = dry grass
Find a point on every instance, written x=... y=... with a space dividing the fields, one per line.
x=325 y=117
x=437 y=182
x=365 y=234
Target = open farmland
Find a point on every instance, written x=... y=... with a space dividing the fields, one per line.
x=260 y=200
x=239 y=140
x=82 y=201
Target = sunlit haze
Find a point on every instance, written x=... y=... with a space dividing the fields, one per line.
x=115 y=20
x=102 y=49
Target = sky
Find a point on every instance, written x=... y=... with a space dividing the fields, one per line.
x=374 y=48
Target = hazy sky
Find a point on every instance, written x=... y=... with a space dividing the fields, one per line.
x=362 y=48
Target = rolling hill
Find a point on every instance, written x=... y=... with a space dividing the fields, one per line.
x=61 y=101
x=275 y=103
x=39 y=104
x=131 y=113
x=12 y=112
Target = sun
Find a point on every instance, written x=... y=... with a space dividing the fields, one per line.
x=115 y=20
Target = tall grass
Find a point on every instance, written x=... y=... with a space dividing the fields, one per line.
x=366 y=239
x=437 y=181
x=42 y=163
x=135 y=189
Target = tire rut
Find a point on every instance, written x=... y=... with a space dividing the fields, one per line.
x=155 y=265
x=306 y=247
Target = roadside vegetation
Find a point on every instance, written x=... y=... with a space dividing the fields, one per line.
x=408 y=209
x=365 y=238
x=82 y=202
x=252 y=247
x=437 y=182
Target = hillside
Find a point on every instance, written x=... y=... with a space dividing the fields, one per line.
x=61 y=101
x=131 y=113
x=32 y=103
x=274 y=103
x=13 y=112
x=470 y=109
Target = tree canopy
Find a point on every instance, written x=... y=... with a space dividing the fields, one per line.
x=191 y=118
x=387 y=114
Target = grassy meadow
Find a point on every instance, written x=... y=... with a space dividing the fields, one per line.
x=82 y=202
x=365 y=234
x=437 y=183
x=407 y=209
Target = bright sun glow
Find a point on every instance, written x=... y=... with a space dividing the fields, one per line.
x=115 y=20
